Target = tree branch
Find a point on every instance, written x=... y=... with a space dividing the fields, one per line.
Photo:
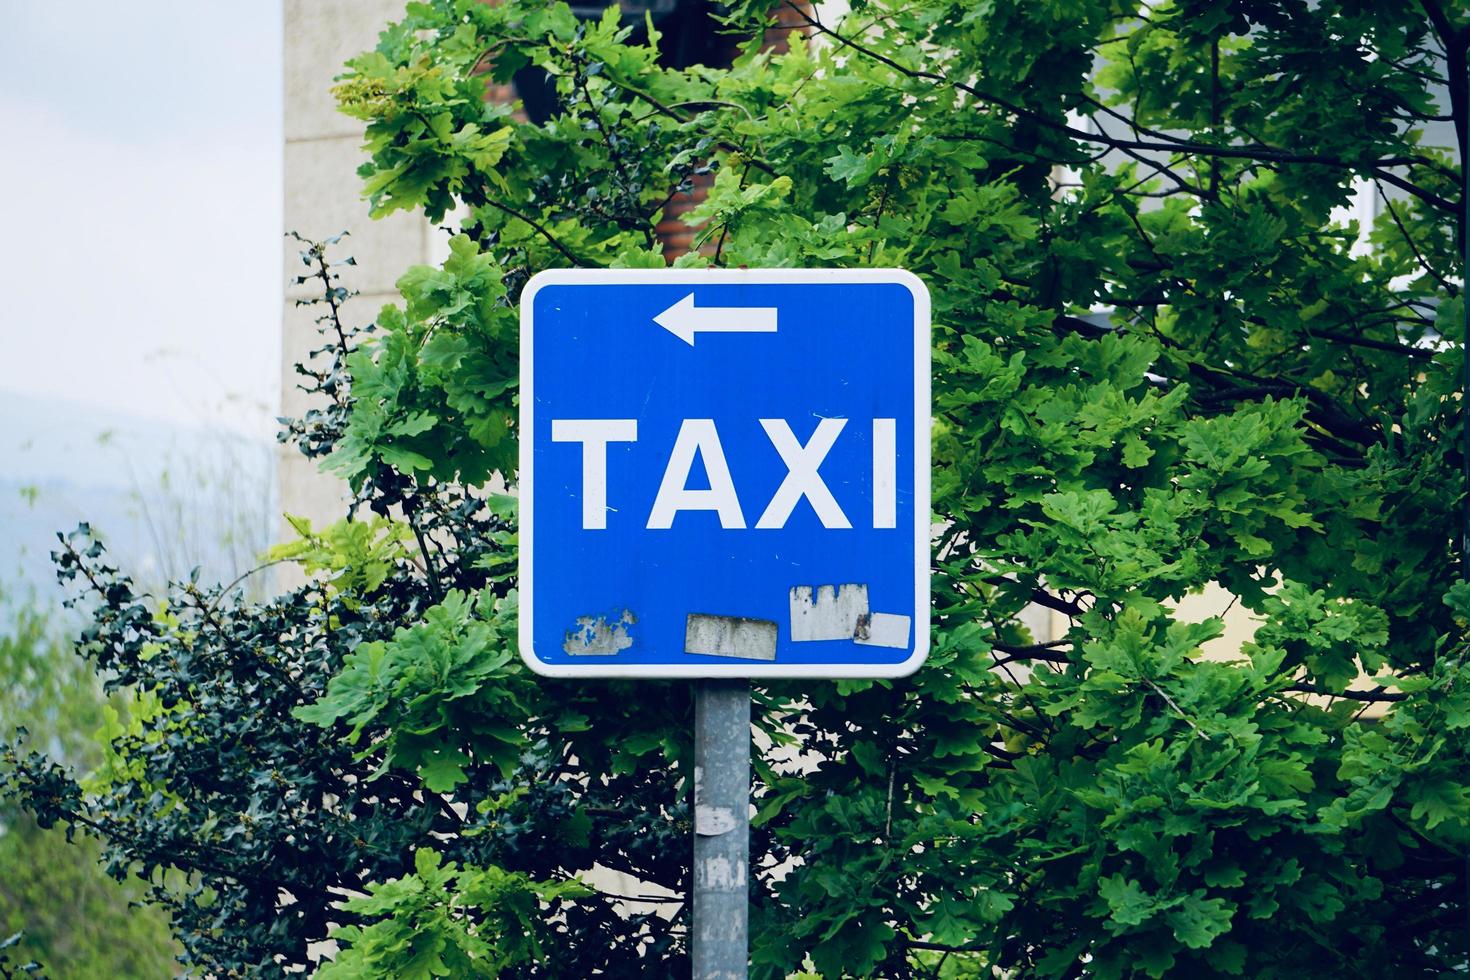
x=1376 y=695
x=1264 y=154
x=538 y=228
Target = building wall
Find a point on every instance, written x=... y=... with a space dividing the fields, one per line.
x=322 y=197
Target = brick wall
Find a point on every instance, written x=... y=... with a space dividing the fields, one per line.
x=677 y=236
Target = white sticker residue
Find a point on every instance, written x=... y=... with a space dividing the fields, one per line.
x=827 y=612
x=730 y=636
x=883 y=630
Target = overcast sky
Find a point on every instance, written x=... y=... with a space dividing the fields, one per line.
x=140 y=229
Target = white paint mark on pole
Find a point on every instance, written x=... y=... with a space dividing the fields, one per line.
x=712 y=821
x=594 y=435
x=885 y=473
x=684 y=319
x=721 y=873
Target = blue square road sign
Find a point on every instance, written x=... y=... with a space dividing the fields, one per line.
x=724 y=473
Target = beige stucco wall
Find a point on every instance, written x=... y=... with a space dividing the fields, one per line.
x=321 y=198
x=1240 y=624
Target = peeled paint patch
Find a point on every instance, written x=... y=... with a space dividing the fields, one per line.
x=712 y=821
x=594 y=636
x=719 y=874
x=730 y=636
x=882 y=630
x=827 y=612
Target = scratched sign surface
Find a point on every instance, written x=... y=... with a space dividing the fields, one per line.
x=724 y=473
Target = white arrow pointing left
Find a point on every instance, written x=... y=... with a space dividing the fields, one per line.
x=684 y=319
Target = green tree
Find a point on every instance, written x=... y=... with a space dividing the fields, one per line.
x=72 y=918
x=1271 y=402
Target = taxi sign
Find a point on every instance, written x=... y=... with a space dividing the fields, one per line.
x=724 y=473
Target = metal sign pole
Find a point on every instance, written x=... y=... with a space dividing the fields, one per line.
x=718 y=944
x=1465 y=394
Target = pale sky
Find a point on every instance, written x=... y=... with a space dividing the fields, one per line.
x=140 y=217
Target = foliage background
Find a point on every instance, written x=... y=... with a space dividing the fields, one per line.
x=1267 y=405
x=73 y=918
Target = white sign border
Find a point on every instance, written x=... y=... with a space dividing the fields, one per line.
x=731 y=277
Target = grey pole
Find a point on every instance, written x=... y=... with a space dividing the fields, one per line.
x=1465 y=342
x=1464 y=141
x=718 y=931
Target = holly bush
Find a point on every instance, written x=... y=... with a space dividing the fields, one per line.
x=1166 y=356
